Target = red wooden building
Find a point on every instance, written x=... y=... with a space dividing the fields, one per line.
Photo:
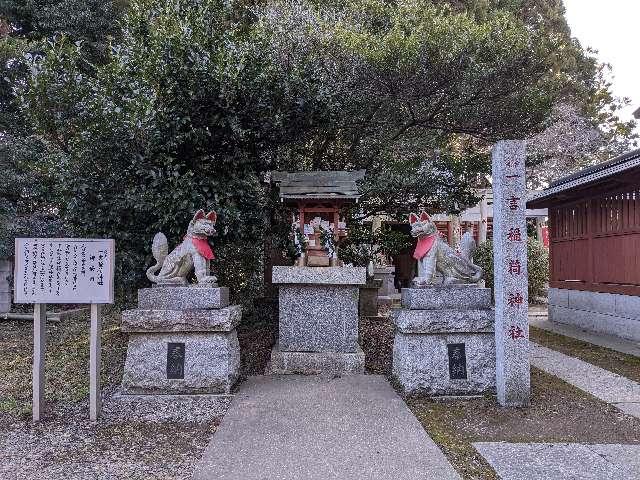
x=594 y=223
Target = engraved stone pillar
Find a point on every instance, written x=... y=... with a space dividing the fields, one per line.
x=510 y=273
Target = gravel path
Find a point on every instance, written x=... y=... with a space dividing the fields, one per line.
x=135 y=439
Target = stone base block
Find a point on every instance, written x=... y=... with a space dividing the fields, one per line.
x=384 y=300
x=424 y=364
x=207 y=363
x=609 y=313
x=319 y=318
x=453 y=297
x=314 y=363
x=167 y=408
x=222 y=320
x=444 y=321
x=319 y=275
x=194 y=297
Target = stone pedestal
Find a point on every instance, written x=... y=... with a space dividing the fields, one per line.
x=444 y=342
x=6 y=267
x=318 y=319
x=387 y=276
x=182 y=340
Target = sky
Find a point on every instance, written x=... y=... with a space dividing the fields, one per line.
x=610 y=26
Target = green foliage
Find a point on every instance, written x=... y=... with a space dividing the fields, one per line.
x=537 y=265
x=32 y=166
x=364 y=245
x=196 y=100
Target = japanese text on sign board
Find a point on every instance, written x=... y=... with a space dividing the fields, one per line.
x=55 y=270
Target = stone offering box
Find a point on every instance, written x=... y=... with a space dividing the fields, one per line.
x=444 y=342
x=182 y=340
x=318 y=317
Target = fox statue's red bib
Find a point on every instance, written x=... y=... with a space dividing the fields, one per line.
x=192 y=255
x=434 y=255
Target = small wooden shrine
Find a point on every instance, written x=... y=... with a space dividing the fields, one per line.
x=318 y=200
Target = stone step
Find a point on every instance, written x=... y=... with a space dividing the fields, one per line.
x=183 y=298
x=220 y=320
x=444 y=321
x=459 y=297
x=315 y=363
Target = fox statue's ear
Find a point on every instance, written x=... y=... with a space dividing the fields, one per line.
x=413 y=218
x=212 y=215
x=199 y=215
x=424 y=217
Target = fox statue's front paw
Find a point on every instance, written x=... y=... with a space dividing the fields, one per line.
x=208 y=280
x=420 y=282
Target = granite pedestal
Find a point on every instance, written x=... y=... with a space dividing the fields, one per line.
x=318 y=319
x=444 y=342
x=182 y=340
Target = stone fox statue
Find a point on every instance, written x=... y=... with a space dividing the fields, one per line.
x=193 y=254
x=434 y=255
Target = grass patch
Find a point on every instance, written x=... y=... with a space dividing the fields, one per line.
x=67 y=360
x=558 y=413
x=611 y=360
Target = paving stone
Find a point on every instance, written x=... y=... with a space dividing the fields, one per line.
x=183 y=298
x=566 y=461
x=321 y=428
x=600 y=383
x=221 y=320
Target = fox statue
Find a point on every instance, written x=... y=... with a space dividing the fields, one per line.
x=434 y=255
x=193 y=254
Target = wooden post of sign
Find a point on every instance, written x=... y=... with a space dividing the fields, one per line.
x=95 y=400
x=39 y=347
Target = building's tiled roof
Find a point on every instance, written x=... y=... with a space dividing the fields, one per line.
x=591 y=175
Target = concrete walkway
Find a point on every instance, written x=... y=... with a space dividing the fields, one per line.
x=566 y=461
x=540 y=320
x=615 y=389
x=295 y=427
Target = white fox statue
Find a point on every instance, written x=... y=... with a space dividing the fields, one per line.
x=193 y=254
x=434 y=255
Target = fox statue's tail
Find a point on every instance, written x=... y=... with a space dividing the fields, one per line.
x=160 y=250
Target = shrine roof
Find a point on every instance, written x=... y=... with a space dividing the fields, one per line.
x=610 y=175
x=317 y=185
